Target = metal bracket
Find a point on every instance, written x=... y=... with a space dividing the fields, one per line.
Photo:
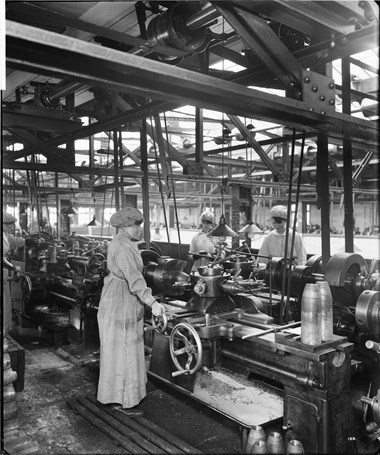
x=318 y=92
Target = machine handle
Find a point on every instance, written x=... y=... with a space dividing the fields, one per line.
x=369 y=344
x=180 y=373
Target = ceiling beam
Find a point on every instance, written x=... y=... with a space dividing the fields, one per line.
x=104 y=125
x=29 y=47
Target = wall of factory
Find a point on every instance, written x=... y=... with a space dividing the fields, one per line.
x=366 y=215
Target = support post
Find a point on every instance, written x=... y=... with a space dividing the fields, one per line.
x=323 y=195
x=145 y=181
x=347 y=161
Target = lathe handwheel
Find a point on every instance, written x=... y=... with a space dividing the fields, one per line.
x=160 y=323
x=95 y=263
x=26 y=286
x=185 y=341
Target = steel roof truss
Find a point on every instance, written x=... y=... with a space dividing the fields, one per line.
x=263 y=42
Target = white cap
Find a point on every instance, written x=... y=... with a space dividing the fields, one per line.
x=207 y=216
x=8 y=218
x=279 y=211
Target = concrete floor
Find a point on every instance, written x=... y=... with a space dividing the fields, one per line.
x=52 y=376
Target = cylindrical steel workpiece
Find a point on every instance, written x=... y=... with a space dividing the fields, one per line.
x=9 y=393
x=311 y=314
x=5 y=344
x=9 y=376
x=294 y=446
x=326 y=311
x=255 y=433
x=275 y=443
x=6 y=361
x=260 y=447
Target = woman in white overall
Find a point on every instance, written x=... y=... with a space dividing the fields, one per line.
x=122 y=377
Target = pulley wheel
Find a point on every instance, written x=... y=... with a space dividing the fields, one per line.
x=367 y=313
x=343 y=272
x=153 y=247
x=185 y=348
x=315 y=264
x=275 y=268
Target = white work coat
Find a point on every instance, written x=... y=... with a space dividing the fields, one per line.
x=9 y=242
x=201 y=242
x=274 y=245
x=122 y=377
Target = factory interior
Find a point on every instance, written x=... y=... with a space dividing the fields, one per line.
x=180 y=108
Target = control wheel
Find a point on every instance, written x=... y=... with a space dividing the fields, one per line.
x=185 y=349
x=26 y=286
x=95 y=263
x=90 y=303
x=160 y=323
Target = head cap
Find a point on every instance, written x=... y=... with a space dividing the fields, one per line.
x=127 y=216
x=279 y=211
x=8 y=218
x=207 y=216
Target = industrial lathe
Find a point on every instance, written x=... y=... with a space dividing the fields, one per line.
x=226 y=315
x=238 y=319
x=61 y=285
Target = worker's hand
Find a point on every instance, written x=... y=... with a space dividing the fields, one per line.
x=158 y=309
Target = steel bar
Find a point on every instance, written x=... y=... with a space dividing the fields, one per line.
x=125 y=430
x=267 y=370
x=274 y=329
x=64 y=297
x=255 y=145
x=184 y=446
x=30 y=48
x=365 y=66
x=100 y=424
x=361 y=167
x=143 y=430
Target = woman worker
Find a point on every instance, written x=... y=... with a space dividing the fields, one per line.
x=10 y=241
x=201 y=242
x=274 y=242
x=122 y=377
